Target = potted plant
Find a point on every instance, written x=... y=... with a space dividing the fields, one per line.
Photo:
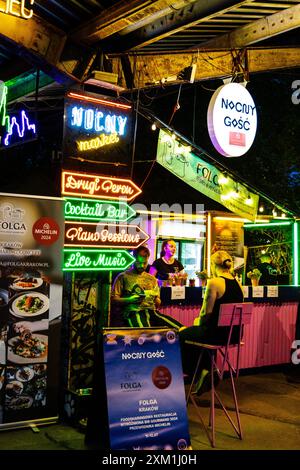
x=254 y=276
x=202 y=276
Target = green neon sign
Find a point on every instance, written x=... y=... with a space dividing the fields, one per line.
x=4 y=118
x=97 y=260
x=95 y=209
x=270 y=225
x=295 y=255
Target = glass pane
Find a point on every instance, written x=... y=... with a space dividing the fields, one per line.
x=192 y=258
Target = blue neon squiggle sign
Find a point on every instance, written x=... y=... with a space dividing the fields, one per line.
x=19 y=128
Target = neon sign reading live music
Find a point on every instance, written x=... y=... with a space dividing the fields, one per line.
x=96 y=260
x=19 y=129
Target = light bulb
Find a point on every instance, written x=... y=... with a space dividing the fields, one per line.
x=261 y=209
x=153 y=127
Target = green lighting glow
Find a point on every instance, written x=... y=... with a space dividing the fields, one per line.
x=97 y=260
x=4 y=118
x=295 y=255
x=108 y=211
x=271 y=224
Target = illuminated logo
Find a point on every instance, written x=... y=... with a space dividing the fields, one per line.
x=104 y=235
x=232 y=120
x=18 y=8
x=75 y=184
x=11 y=219
x=97 y=260
x=90 y=209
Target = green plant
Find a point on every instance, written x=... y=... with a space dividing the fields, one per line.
x=254 y=274
x=202 y=274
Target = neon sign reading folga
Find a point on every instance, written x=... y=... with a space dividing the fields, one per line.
x=19 y=130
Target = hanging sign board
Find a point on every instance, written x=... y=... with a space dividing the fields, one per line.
x=31 y=242
x=97 y=129
x=232 y=120
x=145 y=389
x=204 y=177
x=97 y=260
x=93 y=209
x=104 y=235
x=95 y=186
x=18 y=8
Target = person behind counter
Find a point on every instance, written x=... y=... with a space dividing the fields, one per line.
x=268 y=272
x=222 y=288
x=136 y=293
x=167 y=263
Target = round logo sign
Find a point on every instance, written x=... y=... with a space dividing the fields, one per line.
x=161 y=377
x=232 y=120
x=45 y=231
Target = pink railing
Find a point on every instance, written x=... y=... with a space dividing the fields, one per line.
x=267 y=339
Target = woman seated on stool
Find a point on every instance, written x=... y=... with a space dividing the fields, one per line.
x=223 y=288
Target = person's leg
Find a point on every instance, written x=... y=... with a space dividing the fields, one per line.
x=139 y=319
x=189 y=353
x=160 y=319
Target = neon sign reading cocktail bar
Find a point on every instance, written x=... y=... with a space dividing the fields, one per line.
x=75 y=184
x=17 y=8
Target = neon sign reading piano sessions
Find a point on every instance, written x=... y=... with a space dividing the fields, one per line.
x=94 y=186
x=103 y=235
x=96 y=260
x=97 y=129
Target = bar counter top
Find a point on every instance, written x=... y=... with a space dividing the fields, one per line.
x=193 y=295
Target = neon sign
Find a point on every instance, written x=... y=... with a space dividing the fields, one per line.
x=104 y=235
x=19 y=130
x=109 y=211
x=96 y=260
x=75 y=184
x=4 y=118
x=96 y=121
x=11 y=8
x=98 y=142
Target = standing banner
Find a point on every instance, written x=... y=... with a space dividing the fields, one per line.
x=145 y=389
x=31 y=242
x=205 y=178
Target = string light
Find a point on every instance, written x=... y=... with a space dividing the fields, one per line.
x=274 y=212
x=249 y=200
x=261 y=208
x=153 y=127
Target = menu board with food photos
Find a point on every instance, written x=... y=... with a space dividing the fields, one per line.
x=31 y=241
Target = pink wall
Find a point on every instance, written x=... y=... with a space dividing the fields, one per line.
x=268 y=338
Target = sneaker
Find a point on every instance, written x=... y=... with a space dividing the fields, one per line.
x=204 y=383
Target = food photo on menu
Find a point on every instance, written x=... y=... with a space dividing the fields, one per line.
x=25 y=387
x=28 y=342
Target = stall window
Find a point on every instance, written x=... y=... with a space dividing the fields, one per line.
x=189 y=252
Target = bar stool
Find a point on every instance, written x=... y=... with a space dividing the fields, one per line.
x=230 y=315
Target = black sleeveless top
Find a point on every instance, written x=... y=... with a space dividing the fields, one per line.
x=233 y=294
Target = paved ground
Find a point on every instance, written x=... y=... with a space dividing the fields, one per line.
x=270 y=413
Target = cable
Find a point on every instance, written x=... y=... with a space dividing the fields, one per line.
x=177 y=105
x=135 y=131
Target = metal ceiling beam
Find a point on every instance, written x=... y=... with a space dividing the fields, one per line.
x=125 y=14
x=173 y=22
x=45 y=47
x=259 y=30
x=155 y=69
